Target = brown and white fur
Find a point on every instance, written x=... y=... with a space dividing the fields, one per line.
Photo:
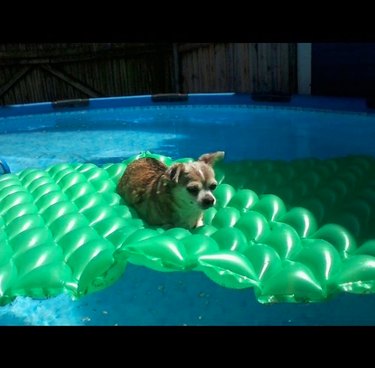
x=174 y=196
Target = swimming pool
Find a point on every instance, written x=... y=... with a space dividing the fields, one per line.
x=110 y=130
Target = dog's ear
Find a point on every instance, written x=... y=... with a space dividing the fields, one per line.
x=175 y=171
x=212 y=158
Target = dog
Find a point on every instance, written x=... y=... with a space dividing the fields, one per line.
x=174 y=196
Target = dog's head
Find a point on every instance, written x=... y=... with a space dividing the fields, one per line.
x=195 y=181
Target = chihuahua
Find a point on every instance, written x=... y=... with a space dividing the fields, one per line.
x=174 y=196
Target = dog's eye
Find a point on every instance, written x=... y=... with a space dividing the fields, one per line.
x=193 y=190
x=212 y=186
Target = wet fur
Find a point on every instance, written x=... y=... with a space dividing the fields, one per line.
x=159 y=195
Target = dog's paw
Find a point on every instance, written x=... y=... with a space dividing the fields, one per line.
x=200 y=222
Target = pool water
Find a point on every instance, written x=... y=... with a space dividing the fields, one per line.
x=244 y=132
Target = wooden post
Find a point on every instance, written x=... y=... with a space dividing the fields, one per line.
x=176 y=68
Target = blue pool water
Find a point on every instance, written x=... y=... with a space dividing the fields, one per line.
x=34 y=138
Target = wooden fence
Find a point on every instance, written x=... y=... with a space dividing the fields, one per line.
x=50 y=72
x=239 y=67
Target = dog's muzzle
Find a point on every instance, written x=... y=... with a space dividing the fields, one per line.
x=207 y=202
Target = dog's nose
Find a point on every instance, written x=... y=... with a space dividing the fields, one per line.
x=208 y=202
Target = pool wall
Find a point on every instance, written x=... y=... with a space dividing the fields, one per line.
x=296 y=101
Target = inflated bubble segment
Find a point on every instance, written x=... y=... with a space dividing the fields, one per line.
x=66 y=230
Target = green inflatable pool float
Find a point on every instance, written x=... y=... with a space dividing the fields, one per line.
x=296 y=231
